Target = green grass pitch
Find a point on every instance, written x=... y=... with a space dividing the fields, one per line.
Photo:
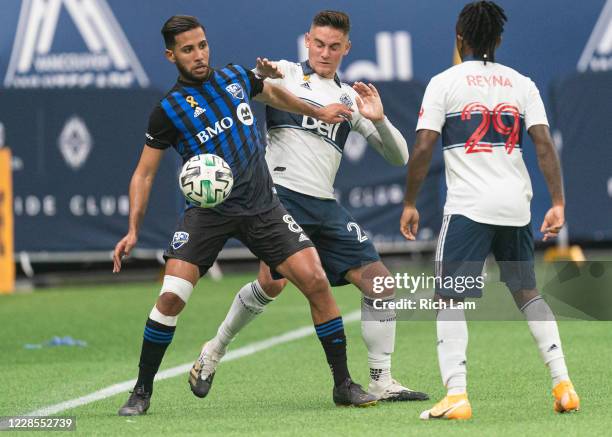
x=284 y=390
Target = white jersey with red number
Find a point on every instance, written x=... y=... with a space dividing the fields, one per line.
x=481 y=111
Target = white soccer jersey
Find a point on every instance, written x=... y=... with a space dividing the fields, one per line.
x=480 y=110
x=303 y=153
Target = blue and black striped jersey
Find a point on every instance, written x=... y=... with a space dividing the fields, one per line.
x=216 y=117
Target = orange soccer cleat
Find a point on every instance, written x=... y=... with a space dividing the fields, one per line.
x=566 y=398
x=451 y=407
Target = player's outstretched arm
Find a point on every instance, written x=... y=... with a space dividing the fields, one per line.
x=548 y=162
x=279 y=98
x=140 y=188
x=387 y=140
x=267 y=69
x=418 y=166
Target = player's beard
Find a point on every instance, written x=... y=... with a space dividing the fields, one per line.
x=189 y=76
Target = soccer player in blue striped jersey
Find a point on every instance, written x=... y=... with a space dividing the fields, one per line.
x=208 y=111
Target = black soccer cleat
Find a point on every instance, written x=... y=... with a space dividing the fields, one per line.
x=137 y=404
x=349 y=393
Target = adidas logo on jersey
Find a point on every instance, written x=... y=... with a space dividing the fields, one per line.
x=198 y=111
x=303 y=237
x=597 y=54
x=306 y=85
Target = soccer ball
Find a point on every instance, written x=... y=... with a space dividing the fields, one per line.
x=206 y=180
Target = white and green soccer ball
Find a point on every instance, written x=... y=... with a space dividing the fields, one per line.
x=206 y=180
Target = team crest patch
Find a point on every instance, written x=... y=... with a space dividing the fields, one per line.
x=235 y=90
x=346 y=100
x=179 y=239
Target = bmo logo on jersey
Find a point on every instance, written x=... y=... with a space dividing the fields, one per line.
x=244 y=114
x=212 y=131
x=320 y=127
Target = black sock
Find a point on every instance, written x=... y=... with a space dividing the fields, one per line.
x=331 y=334
x=157 y=338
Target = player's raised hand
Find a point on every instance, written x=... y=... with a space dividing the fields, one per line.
x=334 y=113
x=368 y=101
x=553 y=222
x=123 y=248
x=268 y=69
x=409 y=222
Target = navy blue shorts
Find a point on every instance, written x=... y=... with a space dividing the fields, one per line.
x=341 y=242
x=463 y=246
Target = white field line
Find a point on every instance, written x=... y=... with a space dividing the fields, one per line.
x=244 y=351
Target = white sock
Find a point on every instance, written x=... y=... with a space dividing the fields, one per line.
x=545 y=332
x=452 y=345
x=378 y=333
x=248 y=303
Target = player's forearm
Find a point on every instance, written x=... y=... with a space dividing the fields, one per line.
x=418 y=165
x=279 y=98
x=389 y=142
x=550 y=167
x=548 y=161
x=140 y=189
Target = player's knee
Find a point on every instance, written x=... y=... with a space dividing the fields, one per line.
x=175 y=293
x=374 y=280
x=273 y=287
x=522 y=297
x=380 y=286
x=316 y=283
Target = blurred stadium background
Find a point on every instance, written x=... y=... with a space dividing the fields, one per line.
x=79 y=77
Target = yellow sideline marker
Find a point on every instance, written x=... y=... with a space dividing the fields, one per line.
x=7 y=260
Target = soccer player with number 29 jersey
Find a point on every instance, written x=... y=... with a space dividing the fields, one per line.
x=480 y=107
x=208 y=111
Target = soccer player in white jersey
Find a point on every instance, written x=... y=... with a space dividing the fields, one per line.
x=479 y=107
x=303 y=157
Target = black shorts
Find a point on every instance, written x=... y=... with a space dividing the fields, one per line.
x=272 y=236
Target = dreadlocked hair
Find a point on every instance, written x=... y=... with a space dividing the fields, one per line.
x=481 y=24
